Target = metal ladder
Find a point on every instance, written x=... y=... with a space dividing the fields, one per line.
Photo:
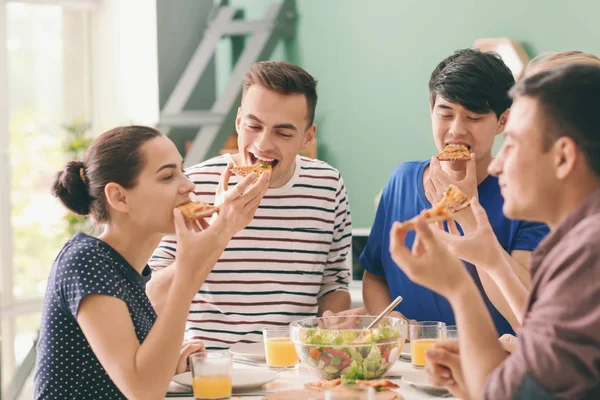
x=215 y=125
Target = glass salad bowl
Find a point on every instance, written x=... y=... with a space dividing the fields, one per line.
x=334 y=347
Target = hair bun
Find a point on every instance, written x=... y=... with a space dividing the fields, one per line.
x=71 y=190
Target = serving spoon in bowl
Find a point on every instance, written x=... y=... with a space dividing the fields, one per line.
x=385 y=312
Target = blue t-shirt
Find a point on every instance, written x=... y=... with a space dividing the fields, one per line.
x=403 y=198
x=66 y=366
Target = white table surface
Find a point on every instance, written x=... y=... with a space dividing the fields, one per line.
x=295 y=379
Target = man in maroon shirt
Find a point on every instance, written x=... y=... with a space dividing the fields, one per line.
x=549 y=171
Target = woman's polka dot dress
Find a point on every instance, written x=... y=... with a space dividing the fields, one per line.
x=66 y=367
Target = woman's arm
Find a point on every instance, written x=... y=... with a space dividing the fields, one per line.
x=144 y=370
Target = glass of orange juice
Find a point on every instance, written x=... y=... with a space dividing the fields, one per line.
x=280 y=352
x=211 y=375
x=423 y=335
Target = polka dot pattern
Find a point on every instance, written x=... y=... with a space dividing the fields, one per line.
x=66 y=367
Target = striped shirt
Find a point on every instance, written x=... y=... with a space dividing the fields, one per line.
x=274 y=271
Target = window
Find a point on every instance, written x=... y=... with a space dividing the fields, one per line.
x=47 y=49
x=48 y=82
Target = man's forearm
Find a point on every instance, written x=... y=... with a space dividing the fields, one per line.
x=335 y=302
x=498 y=298
x=518 y=263
x=376 y=294
x=512 y=287
x=480 y=351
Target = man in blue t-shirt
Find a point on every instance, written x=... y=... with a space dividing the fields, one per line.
x=469 y=105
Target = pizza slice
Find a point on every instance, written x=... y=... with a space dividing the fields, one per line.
x=454 y=152
x=197 y=210
x=324 y=384
x=452 y=202
x=435 y=214
x=246 y=170
x=378 y=384
x=338 y=384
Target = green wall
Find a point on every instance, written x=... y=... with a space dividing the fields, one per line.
x=373 y=60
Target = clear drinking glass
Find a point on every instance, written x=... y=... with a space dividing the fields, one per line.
x=452 y=332
x=423 y=335
x=211 y=375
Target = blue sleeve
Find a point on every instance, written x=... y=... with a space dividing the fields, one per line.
x=82 y=270
x=528 y=235
x=370 y=259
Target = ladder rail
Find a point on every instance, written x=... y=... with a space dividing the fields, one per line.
x=197 y=65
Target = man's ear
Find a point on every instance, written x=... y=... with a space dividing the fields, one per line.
x=502 y=121
x=309 y=137
x=238 y=120
x=116 y=197
x=565 y=156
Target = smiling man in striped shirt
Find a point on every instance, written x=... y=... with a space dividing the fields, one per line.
x=290 y=261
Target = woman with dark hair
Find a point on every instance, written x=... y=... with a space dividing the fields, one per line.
x=100 y=337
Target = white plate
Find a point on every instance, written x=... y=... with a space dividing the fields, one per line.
x=418 y=379
x=252 y=351
x=240 y=378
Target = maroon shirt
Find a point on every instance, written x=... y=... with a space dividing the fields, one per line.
x=558 y=355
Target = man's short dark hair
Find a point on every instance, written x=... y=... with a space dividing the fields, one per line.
x=285 y=78
x=569 y=99
x=476 y=80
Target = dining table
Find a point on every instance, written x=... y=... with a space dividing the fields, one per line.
x=294 y=379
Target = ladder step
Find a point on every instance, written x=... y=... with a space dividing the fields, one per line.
x=234 y=28
x=188 y=119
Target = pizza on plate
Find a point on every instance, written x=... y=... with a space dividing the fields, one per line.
x=377 y=384
x=324 y=384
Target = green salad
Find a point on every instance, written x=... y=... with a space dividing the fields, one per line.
x=353 y=355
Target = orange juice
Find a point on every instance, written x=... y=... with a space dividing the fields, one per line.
x=212 y=386
x=418 y=348
x=280 y=352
